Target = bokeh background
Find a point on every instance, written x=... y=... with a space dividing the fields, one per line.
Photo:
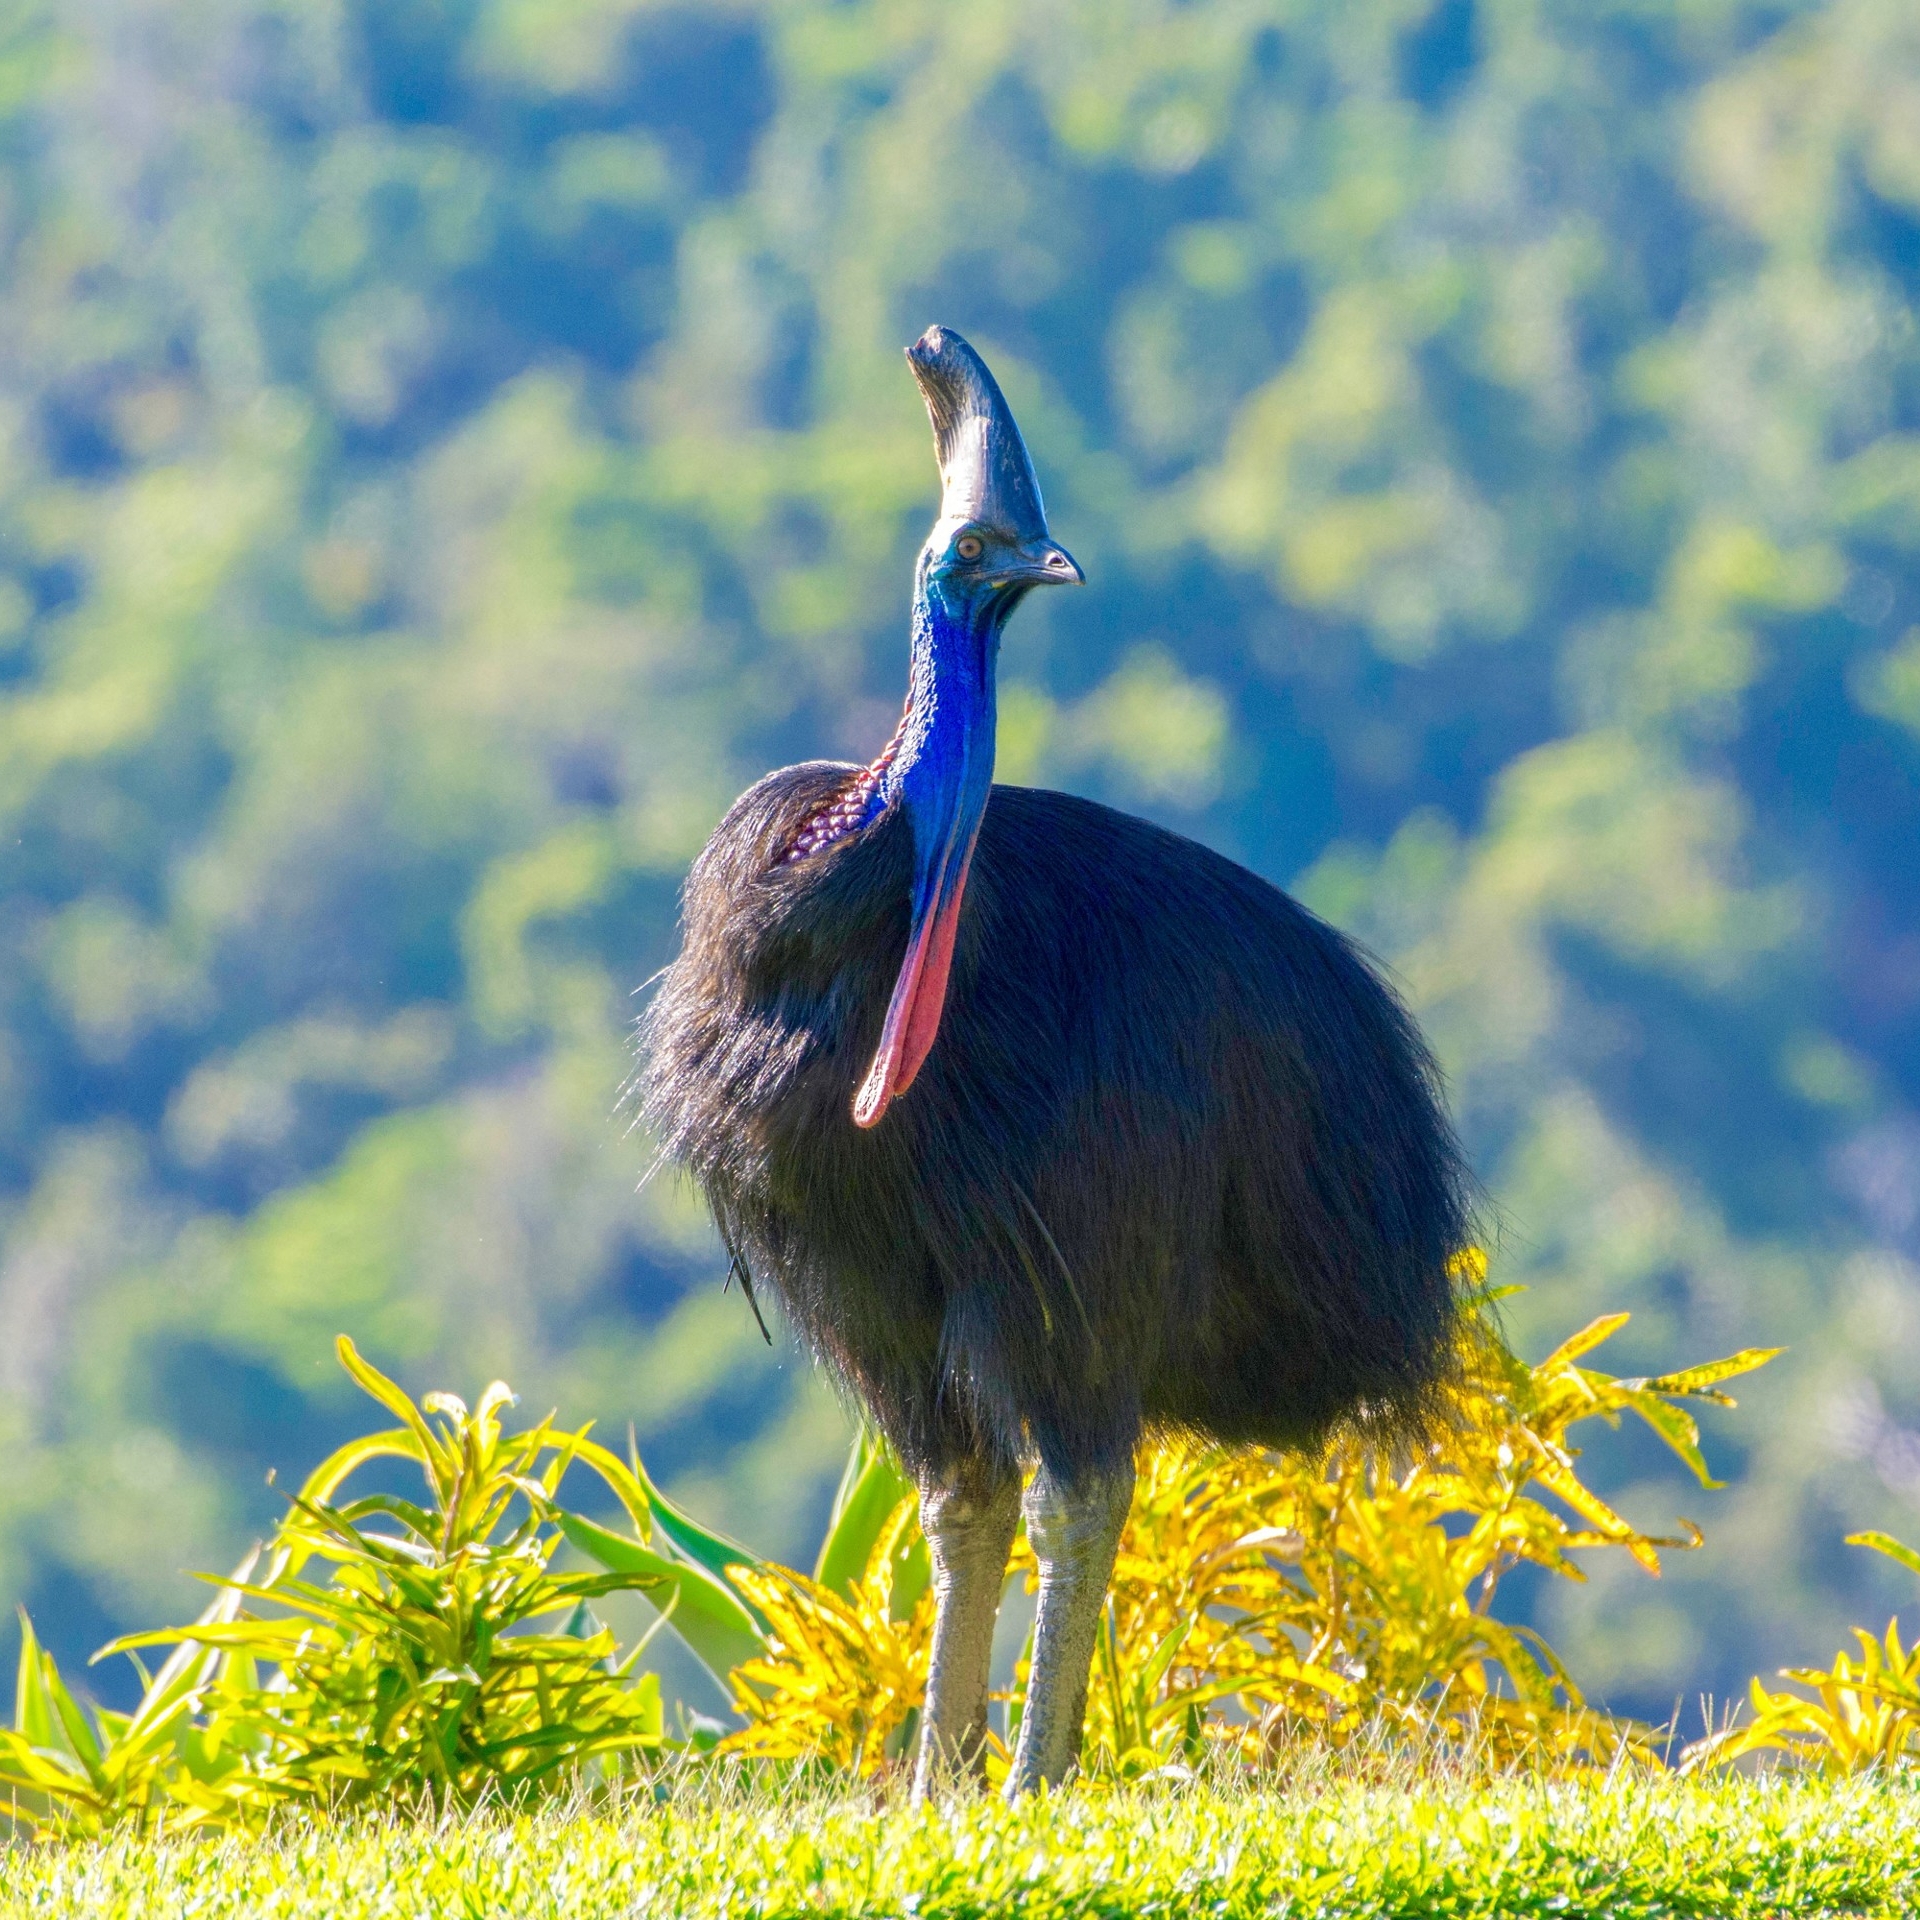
x=449 y=447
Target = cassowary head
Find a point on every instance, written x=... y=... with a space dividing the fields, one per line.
x=991 y=536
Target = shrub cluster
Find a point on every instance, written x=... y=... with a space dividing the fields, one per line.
x=380 y=1648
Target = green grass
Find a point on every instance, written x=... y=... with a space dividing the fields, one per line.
x=1732 y=1848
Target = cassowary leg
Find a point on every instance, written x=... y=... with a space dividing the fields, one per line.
x=969 y=1526
x=1074 y=1528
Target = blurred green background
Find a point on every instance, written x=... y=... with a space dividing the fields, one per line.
x=451 y=446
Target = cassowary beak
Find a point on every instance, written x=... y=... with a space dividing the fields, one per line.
x=1040 y=563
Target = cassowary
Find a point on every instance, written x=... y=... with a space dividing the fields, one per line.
x=1049 y=1128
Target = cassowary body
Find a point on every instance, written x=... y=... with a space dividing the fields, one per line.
x=1174 y=1157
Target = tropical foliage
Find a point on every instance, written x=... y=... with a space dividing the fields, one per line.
x=451 y=448
x=410 y=1671
x=1258 y=1598
x=1861 y=1713
x=844 y=1670
x=1261 y=1603
x=448 y=1663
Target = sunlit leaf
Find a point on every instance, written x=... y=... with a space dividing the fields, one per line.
x=708 y=1615
x=1589 y=1337
x=370 y=1379
x=1887 y=1544
x=702 y=1545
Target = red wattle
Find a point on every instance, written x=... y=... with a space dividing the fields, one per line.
x=913 y=1014
x=930 y=991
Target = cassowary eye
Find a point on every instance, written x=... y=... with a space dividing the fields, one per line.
x=968 y=547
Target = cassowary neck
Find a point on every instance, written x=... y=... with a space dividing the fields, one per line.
x=944 y=748
x=940 y=759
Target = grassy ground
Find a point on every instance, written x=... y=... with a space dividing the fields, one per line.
x=1518 y=1848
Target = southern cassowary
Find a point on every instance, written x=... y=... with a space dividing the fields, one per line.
x=1048 y=1127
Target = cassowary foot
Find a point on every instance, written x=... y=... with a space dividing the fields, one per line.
x=969 y=1527
x=1074 y=1529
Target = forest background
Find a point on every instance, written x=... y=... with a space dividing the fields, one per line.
x=449 y=447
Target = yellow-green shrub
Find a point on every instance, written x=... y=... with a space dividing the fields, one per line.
x=1254 y=1594
x=1862 y=1713
x=412 y=1669
x=1335 y=1591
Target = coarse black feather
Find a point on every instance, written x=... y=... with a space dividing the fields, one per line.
x=1178 y=1158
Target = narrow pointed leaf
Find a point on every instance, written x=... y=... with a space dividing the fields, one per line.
x=1887 y=1544
x=912 y=1576
x=627 y=1486
x=862 y=1513
x=707 y=1614
x=706 y=1548
x=414 y=1517
x=393 y=1397
x=1589 y=1337
x=81 y=1740
x=1700 y=1379
x=396 y=1443
x=33 y=1715
x=1676 y=1427
x=186 y=1668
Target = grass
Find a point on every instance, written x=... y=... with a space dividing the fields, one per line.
x=1520 y=1846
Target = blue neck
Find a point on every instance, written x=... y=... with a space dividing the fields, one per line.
x=940 y=777
x=943 y=769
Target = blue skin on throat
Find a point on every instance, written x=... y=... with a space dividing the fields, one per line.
x=940 y=763
x=943 y=769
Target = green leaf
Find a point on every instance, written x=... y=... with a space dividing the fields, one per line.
x=1676 y=1428
x=627 y=1485
x=706 y=1613
x=191 y=1664
x=397 y=1443
x=41 y=1770
x=912 y=1576
x=1702 y=1378
x=47 y=1716
x=713 y=1551
x=33 y=1715
x=81 y=1740
x=648 y=1708
x=264 y=1634
x=414 y=1517
x=1589 y=1337
x=486 y=1416
x=1887 y=1544
x=435 y=1456
x=871 y=1490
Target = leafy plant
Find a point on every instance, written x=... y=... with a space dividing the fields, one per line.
x=1333 y=1592
x=830 y=1666
x=1343 y=1591
x=445 y=1660
x=1863 y=1713
x=78 y=1772
x=843 y=1673
x=415 y=1667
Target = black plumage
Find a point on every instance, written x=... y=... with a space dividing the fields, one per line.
x=1178 y=1159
